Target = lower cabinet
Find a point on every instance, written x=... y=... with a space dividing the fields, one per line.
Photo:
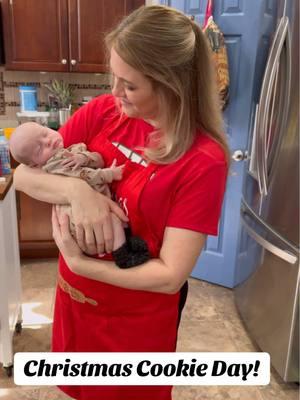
x=35 y=229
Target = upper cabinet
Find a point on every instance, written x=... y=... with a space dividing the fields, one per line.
x=60 y=35
x=36 y=35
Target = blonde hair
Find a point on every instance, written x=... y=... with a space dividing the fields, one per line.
x=171 y=50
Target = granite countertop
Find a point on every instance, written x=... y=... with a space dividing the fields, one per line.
x=4 y=186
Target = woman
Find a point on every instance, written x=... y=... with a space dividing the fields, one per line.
x=163 y=110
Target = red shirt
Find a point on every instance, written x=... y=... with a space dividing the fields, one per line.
x=185 y=194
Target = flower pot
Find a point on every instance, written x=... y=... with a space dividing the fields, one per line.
x=64 y=115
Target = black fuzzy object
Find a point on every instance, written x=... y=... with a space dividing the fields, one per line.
x=132 y=253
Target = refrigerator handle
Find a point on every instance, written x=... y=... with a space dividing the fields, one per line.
x=284 y=110
x=253 y=165
x=277 y=251
x=271 y=114
x=289 y=73
x=260 y=112
x=265 y=102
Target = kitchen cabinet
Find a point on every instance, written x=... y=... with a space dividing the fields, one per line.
x=36 y=35
x=35 y=229
x=1 y=39
x=34 y=226
x=60 y=35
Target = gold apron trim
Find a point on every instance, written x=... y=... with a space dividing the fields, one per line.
x=75 y=294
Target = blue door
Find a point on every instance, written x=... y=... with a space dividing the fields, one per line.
x=247 y=26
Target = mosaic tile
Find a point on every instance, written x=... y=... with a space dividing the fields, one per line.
x=1 y=82
x=2 y=104
x=84 y=85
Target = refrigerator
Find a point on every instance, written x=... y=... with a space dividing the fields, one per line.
x=268 y=258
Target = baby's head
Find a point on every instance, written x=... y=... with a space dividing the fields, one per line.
x=33 y=144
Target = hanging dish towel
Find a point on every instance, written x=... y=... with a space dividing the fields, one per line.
x=217 y=44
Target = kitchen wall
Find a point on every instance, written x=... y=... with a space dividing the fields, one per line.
x=84 y=84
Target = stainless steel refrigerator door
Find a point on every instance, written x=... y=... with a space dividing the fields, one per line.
x=268 y=298
x=281 y=207
x=272 y=184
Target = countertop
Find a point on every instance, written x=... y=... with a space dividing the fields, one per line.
x=4 y=186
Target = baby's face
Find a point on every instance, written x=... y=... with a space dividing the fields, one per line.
x=44 y=144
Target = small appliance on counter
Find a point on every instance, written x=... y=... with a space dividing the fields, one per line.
x=86 y=99
x=41 y=117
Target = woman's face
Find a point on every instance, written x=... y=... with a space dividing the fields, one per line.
x=133 y=90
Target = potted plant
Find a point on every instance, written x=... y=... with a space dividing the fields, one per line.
x=64 y=95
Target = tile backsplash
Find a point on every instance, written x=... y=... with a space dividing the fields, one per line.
x=84 y=85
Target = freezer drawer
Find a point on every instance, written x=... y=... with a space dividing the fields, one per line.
x=268 y=296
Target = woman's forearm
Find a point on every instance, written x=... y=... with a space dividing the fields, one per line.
x=165 y=274
x=45 y=187
x=154 y=275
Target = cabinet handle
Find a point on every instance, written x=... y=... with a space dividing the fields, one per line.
x=73 y=62
x=64 y=61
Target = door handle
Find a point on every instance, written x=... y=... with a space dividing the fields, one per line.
x=240 y=155
x=277 y=251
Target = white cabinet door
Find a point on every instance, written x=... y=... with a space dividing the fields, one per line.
x=10 y=276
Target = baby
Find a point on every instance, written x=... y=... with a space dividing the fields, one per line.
x=41 y=147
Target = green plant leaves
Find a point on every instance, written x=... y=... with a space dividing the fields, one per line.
x=62 y=91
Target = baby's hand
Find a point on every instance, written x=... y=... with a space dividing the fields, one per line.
x=74 y=161
x=117 y=172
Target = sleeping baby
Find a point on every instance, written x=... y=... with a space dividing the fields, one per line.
x=41 y=147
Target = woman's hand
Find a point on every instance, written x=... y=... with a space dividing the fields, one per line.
x=63 y=238
x=92 y=218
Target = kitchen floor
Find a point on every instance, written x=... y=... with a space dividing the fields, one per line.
x=210 y=322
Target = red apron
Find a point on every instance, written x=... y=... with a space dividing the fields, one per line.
x=92 y=316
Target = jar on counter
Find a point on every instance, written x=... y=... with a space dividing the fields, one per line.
x=53 y=120
x=28 y=98
x=4 y=154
